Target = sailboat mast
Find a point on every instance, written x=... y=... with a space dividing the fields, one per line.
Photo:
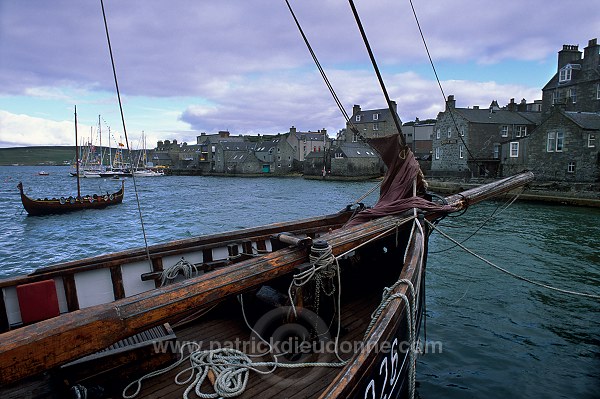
x=77 y=156
x=101 y=149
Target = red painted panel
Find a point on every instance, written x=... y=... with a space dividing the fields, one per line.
x=38 y=301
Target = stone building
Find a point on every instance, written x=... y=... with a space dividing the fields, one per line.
x=355 y=160
x=576 y=84
x=564 y=148
x=305 y=142
x=468 y=142
x=277 y=155
x=371 y=123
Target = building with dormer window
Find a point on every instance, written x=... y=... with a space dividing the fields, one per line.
x=576 y=84
x=371 y=123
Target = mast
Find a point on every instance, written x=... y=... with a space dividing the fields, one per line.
x=77 y=156
x=101 y=149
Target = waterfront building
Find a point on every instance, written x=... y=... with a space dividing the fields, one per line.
x=370 y=123
x=564 y=146
x=304 y=143
x=467 y=142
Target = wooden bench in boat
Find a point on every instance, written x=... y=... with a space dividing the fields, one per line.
x=129 y=357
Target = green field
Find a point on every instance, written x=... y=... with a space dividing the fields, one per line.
x=46 y=155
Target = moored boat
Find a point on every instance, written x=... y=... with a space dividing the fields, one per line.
x=47 y=206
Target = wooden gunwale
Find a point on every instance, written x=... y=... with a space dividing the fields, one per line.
x=350 y=380
x=311 y=225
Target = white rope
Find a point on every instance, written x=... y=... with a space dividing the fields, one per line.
x=411 y=321
x=511 y=273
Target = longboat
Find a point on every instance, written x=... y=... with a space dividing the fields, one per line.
x=47 y=206
x=212 y=314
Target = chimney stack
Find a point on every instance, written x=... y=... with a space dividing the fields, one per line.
x=451 y=102
x=591 y=55
x=569 y=53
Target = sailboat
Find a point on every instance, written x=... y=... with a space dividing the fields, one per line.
x=143 y=168
x=46 y=206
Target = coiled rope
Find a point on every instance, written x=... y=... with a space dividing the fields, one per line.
x=528 y=280
x=182 y=267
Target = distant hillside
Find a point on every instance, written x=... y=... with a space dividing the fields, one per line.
x=47 y=155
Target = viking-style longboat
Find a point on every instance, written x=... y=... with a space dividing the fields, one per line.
x=48 y=206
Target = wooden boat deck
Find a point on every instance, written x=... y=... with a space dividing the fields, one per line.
x=226 y=324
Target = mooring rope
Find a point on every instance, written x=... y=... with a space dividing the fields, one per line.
x=528 y=280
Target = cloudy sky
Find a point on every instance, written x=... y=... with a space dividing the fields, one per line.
x=186 y=67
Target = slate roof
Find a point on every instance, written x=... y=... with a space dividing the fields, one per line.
x=310 y=136
x=233 y=146
x=356 y=150
x=239 y=157
x=586 y=120
x=499 y=117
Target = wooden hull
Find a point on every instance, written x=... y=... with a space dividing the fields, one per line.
x=40 y=207
x=371 y=258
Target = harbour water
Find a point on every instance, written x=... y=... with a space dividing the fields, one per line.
x=496 y=336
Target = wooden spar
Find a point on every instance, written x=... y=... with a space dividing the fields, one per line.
x=77 y=157
x=490 y=190
x=50 y=343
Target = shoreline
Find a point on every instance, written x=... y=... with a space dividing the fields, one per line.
x=560 y=193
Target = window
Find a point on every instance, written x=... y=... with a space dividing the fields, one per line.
x=551 y=143
x=461 y=154
x=437 y=134
x=462 y=131
x=521 y=131
x=358 y=118
x=565 y=74
x=504 y=130
x=558 y=97
x=555 y=142
x=598 y=91
x=514 y=149
x=375 y=126
x=449 y=132
x=559 y=141
x=591 y=140
x=571 y=167
x=496 y=151
x=375 y=117
x=354 y=137
x=437 y=153
x=573 y=94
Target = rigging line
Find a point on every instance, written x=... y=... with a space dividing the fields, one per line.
x=437 y=78
x=321 y=70
x=518 y=277
x=494 y=214
x=376 y=68
x=137 y=199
